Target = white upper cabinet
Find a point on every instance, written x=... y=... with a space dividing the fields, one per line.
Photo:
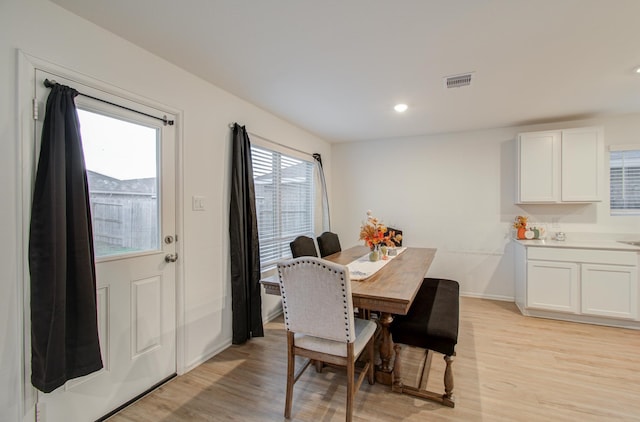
x=560 y=166
x=582 y=164
x=539 y=166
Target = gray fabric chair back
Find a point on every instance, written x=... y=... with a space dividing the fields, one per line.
x=328 y=243
x=303 y=246
x=316 y=298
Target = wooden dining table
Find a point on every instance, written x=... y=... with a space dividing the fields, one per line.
x=390 y=291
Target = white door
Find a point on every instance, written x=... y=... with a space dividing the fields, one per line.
x=131 y=169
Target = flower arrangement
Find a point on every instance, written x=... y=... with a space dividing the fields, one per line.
x=375 y=233
x=526 y=230
x=520 y=222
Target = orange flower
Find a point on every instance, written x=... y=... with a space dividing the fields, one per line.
x=374 y=232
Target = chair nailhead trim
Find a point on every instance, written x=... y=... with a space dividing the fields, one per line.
x=349 y=334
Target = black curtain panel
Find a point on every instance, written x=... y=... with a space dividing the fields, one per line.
x=64 y=327
x=246 y=303
x=326 y=219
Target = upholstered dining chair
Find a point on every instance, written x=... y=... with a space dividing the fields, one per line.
x=318 y=316
x=303 y=246
x=328 y=243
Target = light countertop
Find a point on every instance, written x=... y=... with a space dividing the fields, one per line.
x=581 y=242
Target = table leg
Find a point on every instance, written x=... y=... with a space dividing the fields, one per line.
x=384 y=373
x=385 y=345
x=397 y=386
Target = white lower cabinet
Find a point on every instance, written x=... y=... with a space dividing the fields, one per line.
x=581 y=284
x=609 y=290
x=553 y=286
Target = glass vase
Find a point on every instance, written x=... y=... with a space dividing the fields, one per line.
x=384 y=252
x=374 y=255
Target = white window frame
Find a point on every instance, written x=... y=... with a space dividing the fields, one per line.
x=274 y=246
x=624 y=158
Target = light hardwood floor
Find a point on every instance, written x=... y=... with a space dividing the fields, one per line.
x=508 y=368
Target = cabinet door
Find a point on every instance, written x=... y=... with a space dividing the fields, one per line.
x=582 y=164
x=538 y=167
x=610 y=290
x=552 y=286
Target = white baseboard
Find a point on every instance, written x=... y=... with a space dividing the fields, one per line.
x=205 y=357
x=486 y=296
x=588 y=319
x=273 y=315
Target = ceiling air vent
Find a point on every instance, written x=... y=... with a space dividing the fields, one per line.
x=457 y=81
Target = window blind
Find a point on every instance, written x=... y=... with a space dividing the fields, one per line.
x=625 y=182
x=284 y=201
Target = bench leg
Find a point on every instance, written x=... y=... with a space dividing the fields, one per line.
x=447 y=399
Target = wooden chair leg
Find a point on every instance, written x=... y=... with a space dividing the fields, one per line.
x=291 y=366
x=372 y=363
x=351 y=370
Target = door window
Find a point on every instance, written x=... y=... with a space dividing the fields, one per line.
x=122 y=171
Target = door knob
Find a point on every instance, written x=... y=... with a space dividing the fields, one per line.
x=172 y=257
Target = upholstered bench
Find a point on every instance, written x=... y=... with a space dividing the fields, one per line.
x=432 y=324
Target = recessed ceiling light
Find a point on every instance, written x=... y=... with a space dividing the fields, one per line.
x=400 y=108
x=638 y=69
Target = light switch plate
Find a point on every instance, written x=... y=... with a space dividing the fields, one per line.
x=198 y=203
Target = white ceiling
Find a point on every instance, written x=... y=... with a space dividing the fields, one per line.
x=337 y=67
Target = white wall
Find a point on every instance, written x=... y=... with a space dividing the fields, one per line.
x=456 y=192
x=44 y=30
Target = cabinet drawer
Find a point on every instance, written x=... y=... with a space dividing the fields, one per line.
x=593 y=256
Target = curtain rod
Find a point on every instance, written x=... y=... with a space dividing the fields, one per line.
x=51 y=83
x=276 y=143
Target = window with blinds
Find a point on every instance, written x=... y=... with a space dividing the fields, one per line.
x=284 y=201
x=625 y=182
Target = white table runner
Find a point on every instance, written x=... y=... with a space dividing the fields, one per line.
x=362 y=268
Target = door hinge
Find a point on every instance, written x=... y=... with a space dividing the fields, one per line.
x=35 y=108
x=40 y=412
